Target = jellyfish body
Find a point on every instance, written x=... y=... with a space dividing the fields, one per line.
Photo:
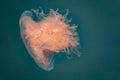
x=47 y=37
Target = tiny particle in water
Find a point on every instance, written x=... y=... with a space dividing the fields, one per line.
x=45 y=35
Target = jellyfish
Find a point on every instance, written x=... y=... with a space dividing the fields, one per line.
x=47 y=35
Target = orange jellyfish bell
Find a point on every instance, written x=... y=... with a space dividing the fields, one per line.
x=49 y=36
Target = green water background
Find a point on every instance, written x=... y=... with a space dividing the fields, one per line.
x=98 y=28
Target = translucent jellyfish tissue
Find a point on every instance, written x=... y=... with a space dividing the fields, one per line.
x=46 y=35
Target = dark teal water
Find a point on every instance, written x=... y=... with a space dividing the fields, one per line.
x=99 y=30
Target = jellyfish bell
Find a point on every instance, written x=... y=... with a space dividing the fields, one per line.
x=46 y=60
x=48 y=37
